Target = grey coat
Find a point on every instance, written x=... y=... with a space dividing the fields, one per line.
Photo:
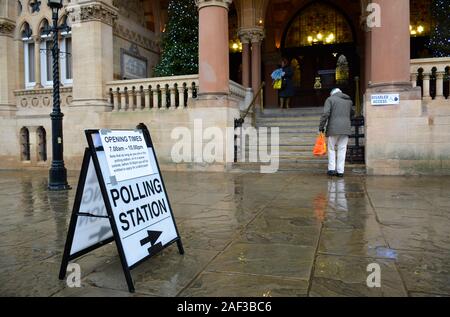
x=337 y=115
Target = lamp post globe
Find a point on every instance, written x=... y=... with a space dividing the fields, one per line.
x=58 y=172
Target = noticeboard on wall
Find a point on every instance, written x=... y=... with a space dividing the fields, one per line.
x=133 y=65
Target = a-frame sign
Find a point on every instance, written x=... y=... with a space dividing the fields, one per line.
x=121 y=197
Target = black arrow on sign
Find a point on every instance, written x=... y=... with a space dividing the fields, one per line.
x=103 y=232
x=153 y=236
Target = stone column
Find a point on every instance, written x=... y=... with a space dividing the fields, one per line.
x=390 y=45
x=37 y=61
x=8 y=67
x=271 y=62
x=257 y=37
x=368 y=57
x=440 y=85
x=426 y=86
x=92 y=38
x=391 y=146
x=245 y=40
x=214 y=61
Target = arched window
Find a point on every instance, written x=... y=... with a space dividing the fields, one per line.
x=318 y=23
x=19 y=8
x=66 y=51
x=42 y=144
x=46 y=56
x=29 y=50
x=25 y=144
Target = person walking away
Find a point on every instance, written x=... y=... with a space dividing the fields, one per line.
x=336 y=120
x=287 y=90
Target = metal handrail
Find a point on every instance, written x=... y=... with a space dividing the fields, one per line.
x=252 y=104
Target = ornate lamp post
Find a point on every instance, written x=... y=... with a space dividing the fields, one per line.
x=58 y=172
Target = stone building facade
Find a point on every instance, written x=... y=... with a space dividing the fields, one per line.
x=108 y=56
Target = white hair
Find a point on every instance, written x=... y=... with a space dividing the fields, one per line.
x=335 y=91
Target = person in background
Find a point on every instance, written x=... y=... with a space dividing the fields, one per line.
x=287 y=90
x=336 y=120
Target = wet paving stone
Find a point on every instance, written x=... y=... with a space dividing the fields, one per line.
x=208 y=234
x=347 y=276
x=295 y=231
x=265 y=259
x=244 y=285
x=352 y=242
x=163 y=275
x=35 y=279
x=245 y=235
x=425 y=271
x=91 y=291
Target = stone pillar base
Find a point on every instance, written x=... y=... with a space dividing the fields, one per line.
x=98 y=105
x=7 y=111
x=404 y=139
x=214 y=101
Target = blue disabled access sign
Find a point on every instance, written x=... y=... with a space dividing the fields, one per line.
x=385 y=99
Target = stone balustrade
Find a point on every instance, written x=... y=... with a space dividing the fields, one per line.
x=237 y=90
x=433 y=75
x=242 y=95
x=159 y=93
x=33 y=100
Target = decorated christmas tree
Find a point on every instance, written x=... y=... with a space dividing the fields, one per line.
x=440 y=37
x=180 y=40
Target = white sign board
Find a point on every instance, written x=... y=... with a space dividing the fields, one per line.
x=385 y=99
x=126 y=154
x=91 y=230
x=120 y=197
x=139 y=205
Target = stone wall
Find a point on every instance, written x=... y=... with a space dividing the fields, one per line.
x=131 y=36
x=412 y=138
x=76 y=121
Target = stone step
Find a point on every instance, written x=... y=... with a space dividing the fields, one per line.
x=293 y=124
x=294 y=149
x=283 y=115
x=299 y=129
x=291 y=111
x=351 y=169
x=288 y=119
x=306 y=157
x=293 y=139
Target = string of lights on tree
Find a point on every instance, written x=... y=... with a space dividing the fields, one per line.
x=440 y=37
x=180 y=40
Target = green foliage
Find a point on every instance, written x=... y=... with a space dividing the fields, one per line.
x=440 y=37
x=180 y=40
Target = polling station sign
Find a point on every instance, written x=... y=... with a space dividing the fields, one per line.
x=121 y=197
x=126 y=155
x=385 y=99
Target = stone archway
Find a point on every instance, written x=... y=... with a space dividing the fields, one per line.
x=25 y=153
x=279 y=16
x=42 y=144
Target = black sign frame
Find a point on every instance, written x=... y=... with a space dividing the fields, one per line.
x=91 y=153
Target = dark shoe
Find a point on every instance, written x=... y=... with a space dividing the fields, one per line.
x=340 y=175
x=332 y=173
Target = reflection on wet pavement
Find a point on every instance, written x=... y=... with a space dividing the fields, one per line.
x=246 y=235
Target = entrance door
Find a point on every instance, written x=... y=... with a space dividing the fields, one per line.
x=320 y=68
x=319 y=42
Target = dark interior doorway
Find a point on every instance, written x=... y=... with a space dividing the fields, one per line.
x=319 y=68
x=320 y=43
